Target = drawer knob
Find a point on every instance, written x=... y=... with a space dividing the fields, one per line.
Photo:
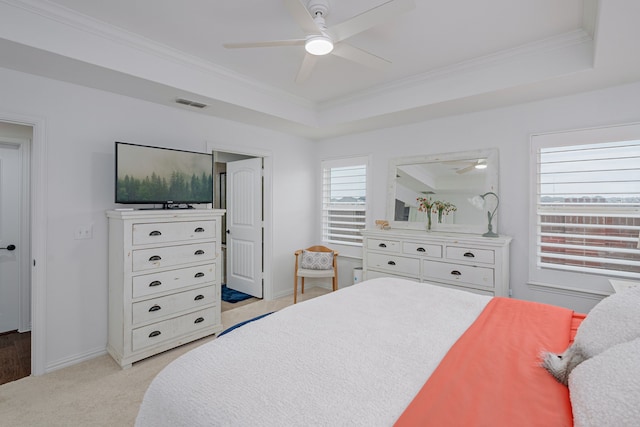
x=155 y=258
x=199 y=320
x=391 y=263
x=155 y=283
x=154 y=334
x=155 y=308
x=199 y=230
x=199 y=252
x=456 y=273
x=198 y=297
x=155 y=233
x=199 y=274
x=421 y=250
x=469 y=255
x=382 y=245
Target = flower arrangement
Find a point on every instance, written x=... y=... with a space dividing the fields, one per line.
x=428 y=205
x=443 y=208
x=425 y=204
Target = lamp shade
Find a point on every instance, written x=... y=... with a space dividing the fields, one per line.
x=318 y=45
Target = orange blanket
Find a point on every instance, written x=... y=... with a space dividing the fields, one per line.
x=492 y=375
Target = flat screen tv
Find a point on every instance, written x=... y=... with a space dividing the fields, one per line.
x=156 y=175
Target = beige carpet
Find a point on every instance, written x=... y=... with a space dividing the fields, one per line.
x=98 y=392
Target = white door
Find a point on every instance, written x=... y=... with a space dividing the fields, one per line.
x=10 y=226
x=244 y=226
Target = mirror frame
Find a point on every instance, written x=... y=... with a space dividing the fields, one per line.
x=492 y=156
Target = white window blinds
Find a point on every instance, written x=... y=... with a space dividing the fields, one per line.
x=344 y=201
x=588 y=208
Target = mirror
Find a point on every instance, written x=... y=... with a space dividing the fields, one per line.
x=453 y=179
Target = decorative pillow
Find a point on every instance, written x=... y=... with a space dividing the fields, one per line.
x=604 y=389
x=614 y=320
x=317 y=260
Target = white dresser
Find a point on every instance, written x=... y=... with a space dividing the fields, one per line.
x=464 y=261
x=164 y=280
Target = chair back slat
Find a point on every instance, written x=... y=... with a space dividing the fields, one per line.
x=319 y=248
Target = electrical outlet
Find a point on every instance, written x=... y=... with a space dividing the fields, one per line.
x=84 y=232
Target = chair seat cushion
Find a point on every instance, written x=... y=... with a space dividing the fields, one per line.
x=305 y=272
x=316 y=260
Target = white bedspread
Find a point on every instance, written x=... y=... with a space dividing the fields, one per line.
x=353 y=357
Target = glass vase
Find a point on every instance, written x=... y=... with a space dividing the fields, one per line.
x=429 y=220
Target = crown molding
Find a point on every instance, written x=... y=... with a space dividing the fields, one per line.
x=570 y=39
x=86 y=24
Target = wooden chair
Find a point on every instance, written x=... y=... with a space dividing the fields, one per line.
x=308 y=272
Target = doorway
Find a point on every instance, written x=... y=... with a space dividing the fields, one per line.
x=15 y=251
x=240 y=185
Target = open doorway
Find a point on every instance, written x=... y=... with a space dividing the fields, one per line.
x=239 y=190
x=15 y=251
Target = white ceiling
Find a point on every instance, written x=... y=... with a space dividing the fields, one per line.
x=447 y=57
x=435 y=34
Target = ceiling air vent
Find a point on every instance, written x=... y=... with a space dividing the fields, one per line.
x=190 y=103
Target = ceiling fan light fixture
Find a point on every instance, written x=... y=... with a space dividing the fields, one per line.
x=318 y=45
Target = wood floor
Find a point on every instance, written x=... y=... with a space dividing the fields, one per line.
x=15 y=356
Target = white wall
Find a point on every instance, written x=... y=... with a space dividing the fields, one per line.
x=509 y=130
x=81 y=126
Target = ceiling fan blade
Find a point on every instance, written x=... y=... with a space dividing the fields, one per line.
x=302 y=16
x=370 y=18
x=273 y=43
x=465 y=170
x=351 y=53
x=308 y=63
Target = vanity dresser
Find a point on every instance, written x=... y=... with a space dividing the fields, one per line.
x=453 y=253
x=458 y=260
x=164 y=280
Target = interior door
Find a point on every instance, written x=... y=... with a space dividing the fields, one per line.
x=244 y=226
x=10 y=226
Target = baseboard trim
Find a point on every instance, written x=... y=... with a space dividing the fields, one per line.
x=72 y=360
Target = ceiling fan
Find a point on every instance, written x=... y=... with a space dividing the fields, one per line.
x=322 y=40
x=473 y=164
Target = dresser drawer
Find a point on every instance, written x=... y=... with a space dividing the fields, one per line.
x=149 y=259
x=156 y=308
x=164 y=232
x=394 y=264
x=480 y=276
x=383 y=245
x=154 y=283
x=484 y=256
x=156 y=333
x=427 y=250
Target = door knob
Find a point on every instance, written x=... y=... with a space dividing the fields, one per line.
x=10 y=247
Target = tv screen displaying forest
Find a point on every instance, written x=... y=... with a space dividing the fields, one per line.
x=146 y=174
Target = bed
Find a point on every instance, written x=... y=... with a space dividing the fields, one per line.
x=384 y=352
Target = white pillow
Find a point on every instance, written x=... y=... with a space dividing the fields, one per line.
x=614 y=320
x=317 y=260
x=605 y=389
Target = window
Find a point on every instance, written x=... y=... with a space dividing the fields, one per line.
x=587 y=202
x=344 y=200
